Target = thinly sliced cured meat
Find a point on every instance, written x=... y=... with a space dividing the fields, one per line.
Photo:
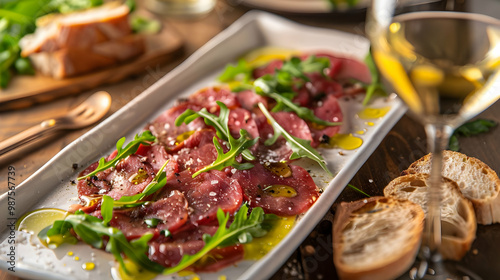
x=319 y=87
x=193 y=159
x=207 y=98
x=164 y=128
x=248 y=99
x=156 y=155
x=292 y=123
x=280 y=151
x=95 y=184
x=349 y=68
x=208 y=192
x=328 y=110
x=129 y=177
x=219 y=258
x=240 y=118
x=269 y=68
x=132 y=227
x=283 y=196
x=172 y=211
x=169 y=252
x=197 y=138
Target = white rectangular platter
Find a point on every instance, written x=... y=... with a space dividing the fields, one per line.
x=51 y=185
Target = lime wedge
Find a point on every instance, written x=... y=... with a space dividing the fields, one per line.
x=33 y=222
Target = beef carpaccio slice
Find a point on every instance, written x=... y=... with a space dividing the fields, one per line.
x=186 y=207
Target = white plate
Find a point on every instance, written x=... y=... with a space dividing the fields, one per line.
x=51 y=185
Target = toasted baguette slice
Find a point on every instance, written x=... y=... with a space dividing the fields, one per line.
x=77 y=30
x=477 y=181
x=458 y=222
x=376 y=238
x=74 y=61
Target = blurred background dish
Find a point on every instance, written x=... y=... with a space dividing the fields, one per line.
x=306 y=6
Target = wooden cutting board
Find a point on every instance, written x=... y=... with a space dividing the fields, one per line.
x=24 y=91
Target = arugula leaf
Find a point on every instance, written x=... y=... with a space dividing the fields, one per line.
x=376 y=85
x=229 y=159
x=300 y=147
x=107 y=209
x=145 y=138
x=358 y=190
x=92 y=231
x=241 y=72
x=220 y=123
x=243 y=229
x=279 y=86
x=470 y=129
x=302 y=112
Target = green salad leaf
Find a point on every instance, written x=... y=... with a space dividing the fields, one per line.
x=300 y=147
x=242 y=230
x=468 y=129
x=220 y=123
x=241 y=72
x=94 y=231
x=145 y=138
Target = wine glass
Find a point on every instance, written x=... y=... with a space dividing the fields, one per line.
x=442 y=59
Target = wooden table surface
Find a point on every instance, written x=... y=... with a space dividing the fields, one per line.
x=313 y=259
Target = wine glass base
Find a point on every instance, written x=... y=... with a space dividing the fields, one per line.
x=444 y=270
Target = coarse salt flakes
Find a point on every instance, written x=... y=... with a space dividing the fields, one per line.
x=214 y=182
x=212 y=194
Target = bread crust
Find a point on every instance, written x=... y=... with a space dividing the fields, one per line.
x=486 y=206
x=64 y=31
x=458 y=218
x=401 y=256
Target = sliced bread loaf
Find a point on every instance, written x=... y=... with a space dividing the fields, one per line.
x=376 y=238
x=477 y=181
x=457 y=214
x=81 y=29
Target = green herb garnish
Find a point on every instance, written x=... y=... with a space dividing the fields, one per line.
x=145 y=138
x=279 y=86
x=93 y=231
x=243 y=229
x=470 y=129
x=376 y=85
x=220 y=123
x=144 y=25
x=241 y=72
x=300 y=147
x=358 y=190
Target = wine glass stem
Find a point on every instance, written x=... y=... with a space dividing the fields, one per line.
x=437 y=140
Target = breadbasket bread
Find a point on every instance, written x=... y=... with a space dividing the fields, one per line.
x=476 y=180
x=80 y=29
x=376 y=238
x=69 y=62
x=457 y=214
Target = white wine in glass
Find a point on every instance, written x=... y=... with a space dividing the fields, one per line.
x=445 y=66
